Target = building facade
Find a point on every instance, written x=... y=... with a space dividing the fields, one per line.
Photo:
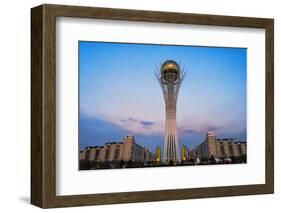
x=226 y=147
x=117 y=151
x=170 y=78
x=148 y=156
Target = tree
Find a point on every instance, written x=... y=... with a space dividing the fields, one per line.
x=212 y=159
x=171 y=162
x=130 y=164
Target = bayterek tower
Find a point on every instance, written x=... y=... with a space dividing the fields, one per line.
x=170 y=77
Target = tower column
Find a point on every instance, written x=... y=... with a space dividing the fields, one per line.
x=170 y=78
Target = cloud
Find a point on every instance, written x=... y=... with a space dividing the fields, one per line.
x=132 y=119
x=200 y=129
x=139 y=126
x=95 y=131
x=191 y=131
x=213 y=128
x=146 y=123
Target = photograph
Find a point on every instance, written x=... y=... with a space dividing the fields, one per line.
x=158 y=105
x=140 y=105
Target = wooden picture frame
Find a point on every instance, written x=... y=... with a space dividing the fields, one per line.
x=43 y=105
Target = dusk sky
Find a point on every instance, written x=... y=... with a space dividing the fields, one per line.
x=120 y=95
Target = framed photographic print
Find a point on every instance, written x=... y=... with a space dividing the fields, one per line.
x=136 y=106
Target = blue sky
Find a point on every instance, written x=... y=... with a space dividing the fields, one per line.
x=120 y=95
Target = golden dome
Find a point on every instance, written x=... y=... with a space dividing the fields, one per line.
x=170 y=70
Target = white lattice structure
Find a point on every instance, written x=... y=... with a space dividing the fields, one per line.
x=170 y=78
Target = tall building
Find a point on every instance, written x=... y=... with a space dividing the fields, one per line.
x=131 y=150
x=184 y=153
x=158 y=154
x=117 y=151
x=170 y=78
x=226 y=147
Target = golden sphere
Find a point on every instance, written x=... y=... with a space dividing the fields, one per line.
x=170 y=71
